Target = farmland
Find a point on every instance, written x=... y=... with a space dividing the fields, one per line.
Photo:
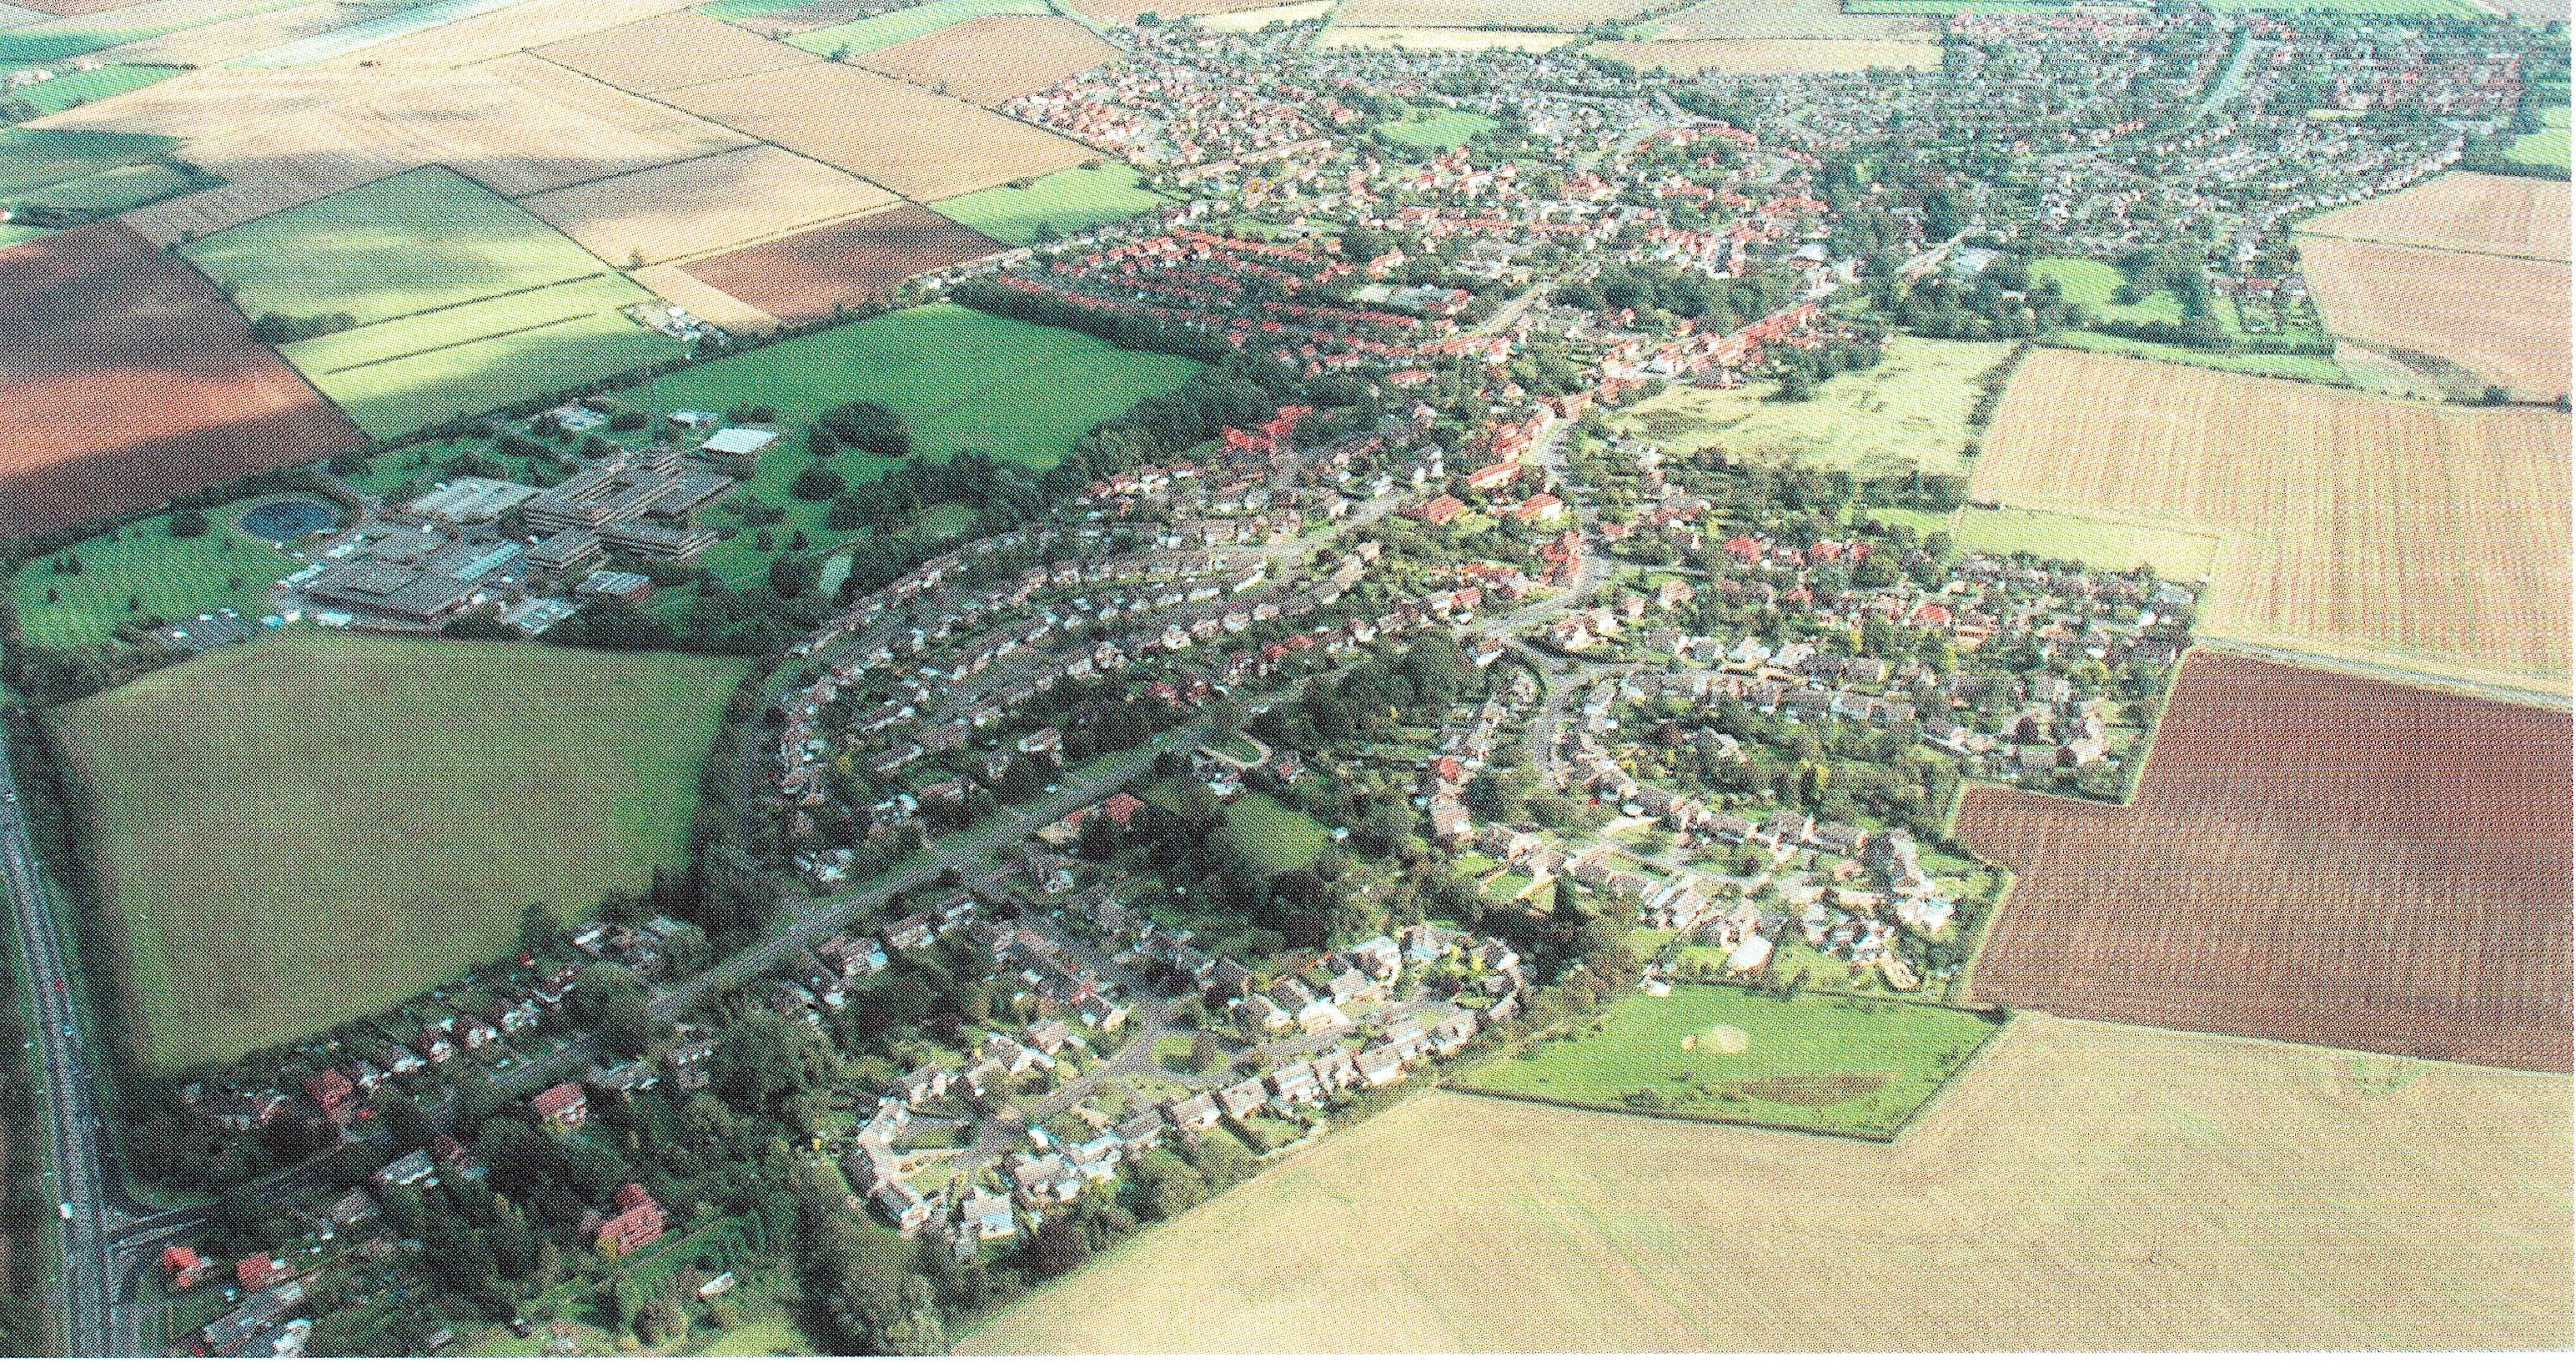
x=994 y=58
x=671 y=50
x=915 y=143
x=2349 y=525
x=2153 y=1183
x=1127 y=11
x=1067 y=202
x=128 y=380
x=2311 y=856
x=1910 y=412
x=1776 y=56
x=810 y=274
x=32 y=162
x=1568 y=15
x=706 y=204
x=2467 y=271
x=98 y=83
x=1812 y=20
x=1725 y=1054
x=270 y=831
x=904 y=24
x=1438 y=39
x=165 y=576
x=462 y=301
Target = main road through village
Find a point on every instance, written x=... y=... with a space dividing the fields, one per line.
x=111 y=1236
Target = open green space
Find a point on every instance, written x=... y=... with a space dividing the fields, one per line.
x=902 y=25
x=34 y=159
x=1070 y=201
x=2282 y=365
x=1271 y=836
x=1728 y=1054
x=2547 y=148
x=1434 y=130
x=2099 y=542
x=314 y=826
x=117 y=189
x=2096 y=285
x=81 y=87
x=961 y=379
x=1909 y=412
x=139 y=570
x=462 y=300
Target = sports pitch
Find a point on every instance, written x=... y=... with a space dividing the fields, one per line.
x=315 y=826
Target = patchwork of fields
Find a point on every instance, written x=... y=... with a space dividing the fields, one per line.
x=128 y=379
x=810 y=274
x=307 y=829
x=2168 y=1191
x=461 y=301
x=2313 y=857
x=2353 y=526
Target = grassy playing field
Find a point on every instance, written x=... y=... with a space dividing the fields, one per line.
x=464 y=301
x=1725 y=1054
x=1434 y=130
x=2169 y=1192
x=1064 y=203
x=312 y=827
x=900 y=25
x=1910 y=412
x=143 y=564
x=1271 y=836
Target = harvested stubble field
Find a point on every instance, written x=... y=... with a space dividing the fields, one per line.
x=128 y=379
x=282 y=853
x=917 y=144
x=2311 y=856
x=500 y=32
x=705 y=204
x=672 y=50
x=285 y=138
x=2463 y=211
x=995 y=58
x=1775 y=19
x=1776 y=56
x=2167 y=1192
x=225 y=39
x=2433 y=538
x=903 y=23
x=2468 y=269
x=1566 y=15
x=811 y=273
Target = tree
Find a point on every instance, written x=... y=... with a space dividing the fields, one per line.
x=818 y=482
x=1057 y=1247
x=188 y=522
x=661 y=1319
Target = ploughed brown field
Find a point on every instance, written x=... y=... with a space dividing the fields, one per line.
x=2311 y=857
x=805 y=275
x=995 y=58
x=127 y=380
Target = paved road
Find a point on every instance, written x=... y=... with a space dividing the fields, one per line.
x=85 y=1293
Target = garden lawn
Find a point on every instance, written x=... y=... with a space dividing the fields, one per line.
x=2098 y=542
x=1434 y=130
x=903 y=25
x=1818 y=1061
x=1067 y=202
x=310 y=828
x=1272 y=837
x=2094 y=283
x=141 y=563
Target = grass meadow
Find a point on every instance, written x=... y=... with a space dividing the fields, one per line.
x=1910 y=412
x=1064 y=203
x=1274 y=837
x=1727 y=1054
x=902 y=25
x=312 y=827
x=140 y=569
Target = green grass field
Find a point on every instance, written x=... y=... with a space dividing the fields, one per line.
x=1434 y=130
x=307 y=829
x=1910 y=412
x=2094 y=283
x=1273 y=837
x=81 y=87
x=2098 y=542
x=902 y=25
x=47 y=40
x=2547 y=148
x=2285 y=366
x=170 y=577
x=118 y=189
x=464 y=301
x=1067 y=202
x=1819 y=1061
x=962 y=379
x=32 y=159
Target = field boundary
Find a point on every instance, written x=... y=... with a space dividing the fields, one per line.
x=1792 y=1127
